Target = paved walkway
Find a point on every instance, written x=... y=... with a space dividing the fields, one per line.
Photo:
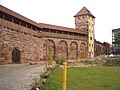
x=19 y=76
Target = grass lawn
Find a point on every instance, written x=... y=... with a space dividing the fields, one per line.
x=87 y=78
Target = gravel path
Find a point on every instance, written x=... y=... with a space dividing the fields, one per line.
x=19 y=76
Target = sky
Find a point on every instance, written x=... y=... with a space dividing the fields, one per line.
x=61 y=12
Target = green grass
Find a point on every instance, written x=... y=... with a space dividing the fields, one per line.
x=89 y=78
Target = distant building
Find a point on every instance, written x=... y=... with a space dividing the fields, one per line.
x=116 y=41
x=102 y=48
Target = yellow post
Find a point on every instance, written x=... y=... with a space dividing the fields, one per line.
x=64 y=75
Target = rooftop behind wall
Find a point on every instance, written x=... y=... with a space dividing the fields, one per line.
x=20 y=18
x=16 y=15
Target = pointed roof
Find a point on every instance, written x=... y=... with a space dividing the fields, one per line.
x=84 y=11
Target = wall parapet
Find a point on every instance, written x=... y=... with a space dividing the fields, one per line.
x=63 y=36
x=18 y=28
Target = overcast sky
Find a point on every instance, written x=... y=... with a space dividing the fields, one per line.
x=61 y=12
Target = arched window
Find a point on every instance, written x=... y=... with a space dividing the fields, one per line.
x=73 y=50
x=63 y=49
x=82 y=50
x=49 y=47
x=83 y=47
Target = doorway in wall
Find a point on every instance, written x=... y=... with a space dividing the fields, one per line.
x=16 y=56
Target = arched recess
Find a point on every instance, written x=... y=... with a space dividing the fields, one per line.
x=73 y=50
x=82 y=50
x=16 y=55
x=49 y=46
x=62 y=49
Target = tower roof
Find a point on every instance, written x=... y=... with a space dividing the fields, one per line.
x=84 y=11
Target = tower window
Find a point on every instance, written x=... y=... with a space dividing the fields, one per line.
x=92 y=45
x=82 y=17
x=89 y=45
x=92 y=31
x=90 y=38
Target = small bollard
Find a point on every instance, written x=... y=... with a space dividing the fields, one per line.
x=64 y=75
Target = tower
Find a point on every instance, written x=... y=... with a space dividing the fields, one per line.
x=84 y=21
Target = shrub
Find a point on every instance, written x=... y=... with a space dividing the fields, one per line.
x=59 y=60
x=112 y=62
x=50 y=58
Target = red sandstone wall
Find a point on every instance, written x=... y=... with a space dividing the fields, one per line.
x=68 y=41
x=30 y=42
x=29 y=46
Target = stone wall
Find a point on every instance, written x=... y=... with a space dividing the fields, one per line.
x=56 y=42
x=30 y=46
x=100 y=49
x=30 y=43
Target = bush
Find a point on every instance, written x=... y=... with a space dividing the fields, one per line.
x=50 y=58
x=112 y=62
x=59 y=60
x=88 y=62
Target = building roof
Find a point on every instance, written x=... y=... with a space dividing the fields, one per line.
x=12 y=13
x=41 y=25
x=98 y=42
x=84 y=11
x=55 y=27
x=116 y=30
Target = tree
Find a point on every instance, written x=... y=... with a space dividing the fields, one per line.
x=50 y=58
